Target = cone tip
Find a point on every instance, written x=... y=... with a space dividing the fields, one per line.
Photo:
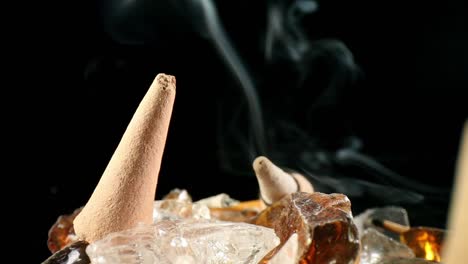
x=165 y=81
x=259 y=162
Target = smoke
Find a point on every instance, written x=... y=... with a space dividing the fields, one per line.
x=320 y=71
x=233 y=61
x=296 y=111
x=319 y=76
x=284 y=37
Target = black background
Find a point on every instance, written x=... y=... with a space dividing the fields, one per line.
x=83 y=86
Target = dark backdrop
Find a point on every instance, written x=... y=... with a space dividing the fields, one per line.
x=83 y=85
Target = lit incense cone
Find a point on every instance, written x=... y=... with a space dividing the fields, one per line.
x=275 y=183
x=124 y=196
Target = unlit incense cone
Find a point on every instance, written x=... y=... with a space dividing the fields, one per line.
x=275 y=183
x=455 y=250
x=124 y=196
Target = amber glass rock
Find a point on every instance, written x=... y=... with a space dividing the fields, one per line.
x=62 y=233
x=323 y=223
x=74 y=253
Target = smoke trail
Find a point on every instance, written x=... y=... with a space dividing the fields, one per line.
x=351 y=157
x=234 y=62
x=307 y=128
x=284 y=36
x=323 y=72
x=138 y=22
x=355 y=188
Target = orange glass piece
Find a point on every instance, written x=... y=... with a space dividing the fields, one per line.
x=323 y=223
x=425 y=242
x=62 y=233
x=241 y=212
x=252 y=205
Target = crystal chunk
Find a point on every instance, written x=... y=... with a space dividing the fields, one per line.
x=392 y=213
x=221 y=200
x=185 y=241
x=287 y=254
x=376 y=247
x=179 y=195
x=175 y=210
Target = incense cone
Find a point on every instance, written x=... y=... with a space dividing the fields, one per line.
x=454 y=250
x=125 y=193
x=275 y=183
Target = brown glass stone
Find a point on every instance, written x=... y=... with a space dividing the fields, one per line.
x=74 y=253
x=323 y=223
x=62 y=233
